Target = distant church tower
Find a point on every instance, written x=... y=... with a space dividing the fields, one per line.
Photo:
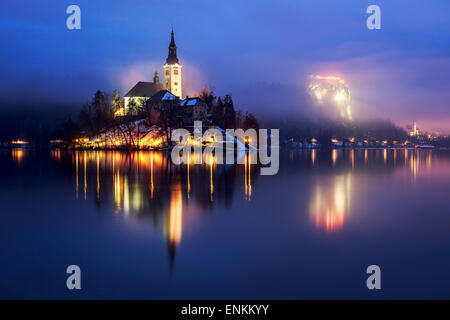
x=172 y=71
x=156 y=79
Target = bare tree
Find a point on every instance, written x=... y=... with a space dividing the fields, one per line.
x=167 y=117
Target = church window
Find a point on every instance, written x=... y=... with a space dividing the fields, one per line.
x=167 y=72
x=175 y=71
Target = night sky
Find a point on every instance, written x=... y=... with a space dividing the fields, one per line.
x=259 y=51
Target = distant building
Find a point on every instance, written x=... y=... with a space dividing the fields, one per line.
x=161 y=99
x=192 y=109
x=186 y=111
x=415 y=131
x=141 y=92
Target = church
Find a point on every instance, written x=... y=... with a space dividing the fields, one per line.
x=172 y=82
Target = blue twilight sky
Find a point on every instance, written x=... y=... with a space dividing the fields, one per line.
x=260 y=51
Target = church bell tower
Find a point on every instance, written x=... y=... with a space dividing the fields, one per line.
x=172 y=71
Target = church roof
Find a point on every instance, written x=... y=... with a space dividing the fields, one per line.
x=162 y=95
x=190 y=102
x=143 y=89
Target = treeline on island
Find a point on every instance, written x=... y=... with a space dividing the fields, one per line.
x=224 y=114
x=100 y=114
x=304 y=128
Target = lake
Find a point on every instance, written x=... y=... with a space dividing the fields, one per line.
x=140 y=227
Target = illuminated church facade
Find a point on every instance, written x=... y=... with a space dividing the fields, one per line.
x=172 y=71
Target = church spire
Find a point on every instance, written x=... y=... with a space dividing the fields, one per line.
x=172 y=57
x=172 y=41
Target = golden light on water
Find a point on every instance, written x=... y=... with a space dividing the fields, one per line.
x=211 y=182
x=85 y=179
x=428 y=160
x=76 y=174
x=56 y=154
x=414 y=164
x=334 y=156
x=352 y=158
x=248 y=180
x=331 y=203
x=17 y=155
x=175 y=217
x=126 y=196
x=152 y=185
x=98 y=176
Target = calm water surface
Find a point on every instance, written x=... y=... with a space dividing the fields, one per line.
x=140 y=227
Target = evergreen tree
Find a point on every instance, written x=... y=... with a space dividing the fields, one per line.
x=87 y=118
x=116 y=100
x=230 y=113
x=250 y=122
x=102 y=110
x=218 y=113
x=239 y=119
x=132 y=107
x=208 y=96
x=69 y=130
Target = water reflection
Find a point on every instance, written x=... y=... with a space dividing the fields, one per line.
x=85 y=178
x=175 y=223
x=133 y=173
x=414 y=163
x=143 y=185
x=331 y=193
x=248 y=178
x=141 y=216
x=76 y=175
x=313 y=156
x=17 y=155
x=55 y=154
x=330 y=202
x=334 y=156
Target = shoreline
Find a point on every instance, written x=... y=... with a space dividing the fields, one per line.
x=41 y=147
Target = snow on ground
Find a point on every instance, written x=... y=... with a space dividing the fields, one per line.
x=133 y=134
